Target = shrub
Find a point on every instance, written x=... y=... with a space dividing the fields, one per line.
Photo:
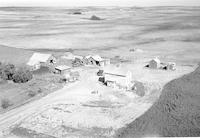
x=77 y=12
x=32 y=93
x=5 y=103
x=22 y=75
x=102 y=79
x=100 y=73
x=95 y=18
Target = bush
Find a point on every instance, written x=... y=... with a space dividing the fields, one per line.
x=32 y=93
x=102 y=79
x=5 y=103
x=22 y=75
x=77 y=12
x=100 y=73
x=95 y=18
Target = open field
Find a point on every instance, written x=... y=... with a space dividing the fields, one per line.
x=170 y=33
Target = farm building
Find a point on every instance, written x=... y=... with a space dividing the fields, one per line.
x=118 y=77
x=39 y=59
x=96 y=60
x=62 y=69
x=154 y=63
x=77 y=62
x=171 y=66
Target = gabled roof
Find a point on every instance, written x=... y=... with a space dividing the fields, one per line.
x=62 y=67
x=88 y=56
x=115 y=71
x=156 y=60
x=38 y=57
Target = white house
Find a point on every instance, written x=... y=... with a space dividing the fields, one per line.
x=154 y=63
x=62 y=69
x=39 y=59
x=118 y=77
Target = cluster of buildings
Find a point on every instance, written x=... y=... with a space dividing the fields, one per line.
x=112 y=76
x=156 y=64
x=39 y=60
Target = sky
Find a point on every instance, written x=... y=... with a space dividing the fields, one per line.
x=79 y=3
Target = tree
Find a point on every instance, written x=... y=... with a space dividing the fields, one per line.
x=22 y=75
x=7 y=71
x=5 y=103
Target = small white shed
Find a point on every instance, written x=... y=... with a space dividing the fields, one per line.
x=62 y=69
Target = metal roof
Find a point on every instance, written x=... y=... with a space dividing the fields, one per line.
x=62 y=67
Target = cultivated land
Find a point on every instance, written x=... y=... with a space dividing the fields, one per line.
x=172 y=33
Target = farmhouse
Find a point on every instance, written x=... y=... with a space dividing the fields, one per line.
x=118 y=77
x=39 y=59
x=62 y=69
x=154 y=63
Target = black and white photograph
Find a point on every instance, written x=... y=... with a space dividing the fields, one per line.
x=99 y=68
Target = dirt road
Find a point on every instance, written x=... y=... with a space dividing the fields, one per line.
x=14 y=116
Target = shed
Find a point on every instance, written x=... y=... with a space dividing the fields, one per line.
x=171 y=66
x=62 y=69
x=154 y=63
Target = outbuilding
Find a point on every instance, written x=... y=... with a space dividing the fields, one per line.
x=62 y=69
x=171 y=66
x=154 y=63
